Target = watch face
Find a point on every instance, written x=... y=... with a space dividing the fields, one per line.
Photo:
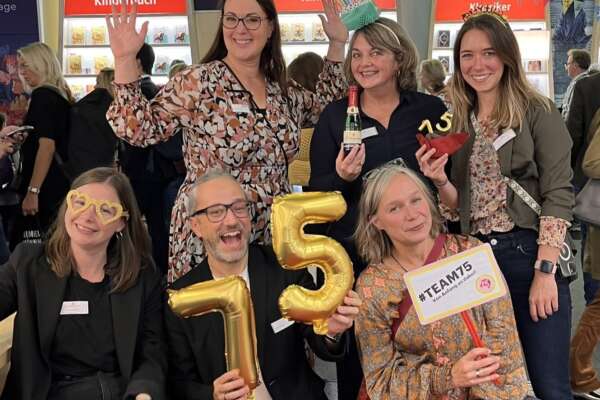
x=547 y=267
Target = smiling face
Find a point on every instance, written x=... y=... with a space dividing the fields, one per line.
x=480 y=65
x=226 y=240
x=85 y=228
x=403 y=212
x=372 y=67
x=243 y=44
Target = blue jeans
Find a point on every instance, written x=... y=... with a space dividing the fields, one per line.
x=546 y=342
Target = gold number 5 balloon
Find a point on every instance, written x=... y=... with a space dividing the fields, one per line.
x=231 y=297
x=296 y=250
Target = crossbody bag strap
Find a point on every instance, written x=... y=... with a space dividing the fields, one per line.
x=523 y=195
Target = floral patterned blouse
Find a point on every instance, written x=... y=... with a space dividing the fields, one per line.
x=416 y=363
x=223 y=128
x=488 y=193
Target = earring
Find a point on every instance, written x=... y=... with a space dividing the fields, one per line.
x=119 y=235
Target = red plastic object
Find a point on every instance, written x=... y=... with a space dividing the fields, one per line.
x=447 y=144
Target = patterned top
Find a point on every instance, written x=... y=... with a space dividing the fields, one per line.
x=416 y=364
x=488 y=193
x=223 y=128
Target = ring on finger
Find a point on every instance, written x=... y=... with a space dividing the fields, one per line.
x=477 y=373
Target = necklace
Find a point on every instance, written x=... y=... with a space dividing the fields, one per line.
x=398 y=262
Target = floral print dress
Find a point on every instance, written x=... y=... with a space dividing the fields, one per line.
x=223 y=129
x=416 y=363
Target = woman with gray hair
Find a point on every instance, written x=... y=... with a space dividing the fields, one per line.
x=400 y=230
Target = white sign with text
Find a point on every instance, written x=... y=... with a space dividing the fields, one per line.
x=455 y=284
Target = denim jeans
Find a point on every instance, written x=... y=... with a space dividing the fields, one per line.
x=546 y=342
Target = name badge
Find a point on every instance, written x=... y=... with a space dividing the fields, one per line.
x=74 y=308
x=240 y=108
x=281 y=324
x=504 y=138
x=368 y=132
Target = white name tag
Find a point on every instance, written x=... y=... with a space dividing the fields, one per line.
x=74 y=308
x=504 y=138
x=281 y=324
x=368 y=132
x=240 y=108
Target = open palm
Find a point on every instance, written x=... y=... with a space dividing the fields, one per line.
x=333 y=26
x=125 y=41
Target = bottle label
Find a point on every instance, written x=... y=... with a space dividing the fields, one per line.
x=352 y=110
x=352 y=138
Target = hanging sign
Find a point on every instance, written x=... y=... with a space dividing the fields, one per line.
x=317 y=6
x=513 y=10
x=103 y=7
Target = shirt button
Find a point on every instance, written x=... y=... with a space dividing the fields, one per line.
x=493 y=242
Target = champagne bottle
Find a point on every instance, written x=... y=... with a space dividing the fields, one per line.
x=353 y=127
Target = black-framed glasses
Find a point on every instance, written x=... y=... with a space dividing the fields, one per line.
x=251 y=22
x=396 y=161
x=217 y=212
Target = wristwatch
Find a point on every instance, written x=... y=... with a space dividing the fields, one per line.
x=33 y=189
x=545 y=266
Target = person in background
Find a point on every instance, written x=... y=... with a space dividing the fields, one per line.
x=44 y=176
x=584 y=379
x=433 y=77
x=220 y=216
x=144 y=166
x=382 y=60
x=92 y=142
x=400 y=230
x=89 y=322
x=6 y=149
x=577 y=67
x=236 y=109
x=585 y=103
x=305 y=70
x=176 y=67
x=517 y=137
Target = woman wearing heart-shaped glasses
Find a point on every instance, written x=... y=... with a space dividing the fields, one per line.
x=89 y=301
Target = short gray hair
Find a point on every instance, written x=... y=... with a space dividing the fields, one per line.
x=190 y=201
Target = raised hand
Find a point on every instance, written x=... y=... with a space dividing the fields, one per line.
x=333 y=26
x=124 y=40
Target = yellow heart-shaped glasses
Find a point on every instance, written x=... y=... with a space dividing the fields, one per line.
x=106 y=210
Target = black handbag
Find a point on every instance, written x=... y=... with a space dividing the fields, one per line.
x=566 y=259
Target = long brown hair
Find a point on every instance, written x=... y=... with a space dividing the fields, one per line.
x=272 y=64
x=387 y=34
x=516 y=93
x=126 y=255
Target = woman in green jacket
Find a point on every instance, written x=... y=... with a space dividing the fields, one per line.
x=516 y=136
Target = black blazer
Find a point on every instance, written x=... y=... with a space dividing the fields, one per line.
x=28 y=285
x=584 y=104
x=196 y=345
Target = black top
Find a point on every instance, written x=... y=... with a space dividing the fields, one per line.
x=48 y=112
x=398 y=140
x=84 y=343
x=92 y=142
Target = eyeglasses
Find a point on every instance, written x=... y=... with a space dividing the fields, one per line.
x=568 y=63
x=217 y=212
x=395 y=162
x=106 y=210
x=251 y=22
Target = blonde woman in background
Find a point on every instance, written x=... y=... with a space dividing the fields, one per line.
x=433 y=76
x=44 y=179
x=92 y=142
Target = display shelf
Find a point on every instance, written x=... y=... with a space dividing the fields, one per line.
x=84 y=39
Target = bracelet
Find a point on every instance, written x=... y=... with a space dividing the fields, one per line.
x=442 y=185
x=335 y=338
x=33 y=189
